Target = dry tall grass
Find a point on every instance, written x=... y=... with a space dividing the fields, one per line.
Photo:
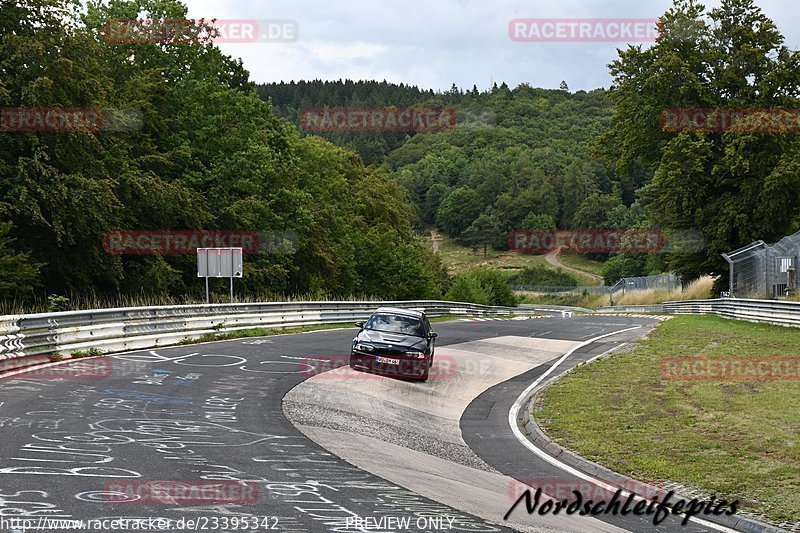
x=792 y=298
x=589 y=301
x=85 y=302
x=699 y=289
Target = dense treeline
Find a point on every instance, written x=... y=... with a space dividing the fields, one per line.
x=523 y=159
x=523 y=151
x=532 y=158
x=732 y=185
x=288 y=99
x=518 y=158
x=212 y=150
x=210 y=154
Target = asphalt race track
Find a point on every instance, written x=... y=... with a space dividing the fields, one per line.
x=289 y=444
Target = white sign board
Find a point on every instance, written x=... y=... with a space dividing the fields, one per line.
x=219 y=263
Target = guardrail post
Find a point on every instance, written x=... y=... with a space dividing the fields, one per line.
x=730 y=274
x=611 y=291
x=766 y=271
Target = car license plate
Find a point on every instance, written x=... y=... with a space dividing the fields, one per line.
x=387 y=360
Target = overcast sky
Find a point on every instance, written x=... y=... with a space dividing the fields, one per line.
x=435 y=43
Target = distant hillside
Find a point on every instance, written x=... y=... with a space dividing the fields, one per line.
x=289 y=98
x=522 y=155
x=519 y=158
x=506 y=141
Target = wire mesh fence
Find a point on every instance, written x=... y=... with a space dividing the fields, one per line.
x=667 y=282
x=761 y=270
x=554 y=289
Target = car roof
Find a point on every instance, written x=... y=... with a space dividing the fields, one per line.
x=398 y=311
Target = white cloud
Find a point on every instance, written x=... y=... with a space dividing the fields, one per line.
x=434 y=43
x=343 y=52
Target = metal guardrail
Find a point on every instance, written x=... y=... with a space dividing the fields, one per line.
x=780 y=313
x=766 y=311
x=776 y=312
x=30 y=339
x=657 y=308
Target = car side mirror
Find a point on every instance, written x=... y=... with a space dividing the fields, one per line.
x=360 y=325
x=432 y=335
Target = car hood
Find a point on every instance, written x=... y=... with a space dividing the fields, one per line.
x=395 y=339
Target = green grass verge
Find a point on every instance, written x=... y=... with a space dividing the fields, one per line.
x=458 y=258
x=584 y=280
x=738 y=440
x=581 y=262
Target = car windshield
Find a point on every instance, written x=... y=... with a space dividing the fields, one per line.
x=406 y=325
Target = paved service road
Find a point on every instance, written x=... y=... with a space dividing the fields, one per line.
x=111 y=440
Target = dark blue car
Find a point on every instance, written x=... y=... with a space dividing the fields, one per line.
x=395 y=342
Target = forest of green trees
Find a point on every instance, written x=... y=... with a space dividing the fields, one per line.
x=517 y=159
x=528 y=158
x=210 y=155
x=217 y=151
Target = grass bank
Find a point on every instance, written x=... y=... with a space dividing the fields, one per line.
x=581 y=262
x=734 y=439
x=458 y=258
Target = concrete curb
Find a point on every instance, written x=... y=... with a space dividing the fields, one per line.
x=530 y=428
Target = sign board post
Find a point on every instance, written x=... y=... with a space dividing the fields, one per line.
x=219 y=263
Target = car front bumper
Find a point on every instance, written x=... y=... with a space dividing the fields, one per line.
x=411 y=367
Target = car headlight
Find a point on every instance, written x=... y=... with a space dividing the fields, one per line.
x=364 y=347
x=418 y=355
